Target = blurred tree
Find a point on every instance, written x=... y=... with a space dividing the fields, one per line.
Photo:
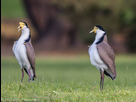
x=63 y=21
x=131 y=40
x=46 y=20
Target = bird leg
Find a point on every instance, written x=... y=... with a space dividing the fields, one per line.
x=22 y=75
x=102 y=81
x=29 y=75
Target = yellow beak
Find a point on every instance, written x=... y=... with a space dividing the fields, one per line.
x=19 y=28
x=94 y=30
x=91 y=31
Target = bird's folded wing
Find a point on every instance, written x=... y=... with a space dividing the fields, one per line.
x=31 y=55
x=106 y=54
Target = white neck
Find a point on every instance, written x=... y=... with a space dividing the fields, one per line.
x=25 y=30
x=25 y=35
x=99 y=34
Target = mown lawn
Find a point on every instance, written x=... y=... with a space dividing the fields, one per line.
x=68 y=79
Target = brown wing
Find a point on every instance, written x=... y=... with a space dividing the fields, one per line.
x=31 y=55
x=106 y=53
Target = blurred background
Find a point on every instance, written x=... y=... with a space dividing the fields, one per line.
x=62 y=26
x=60 y=36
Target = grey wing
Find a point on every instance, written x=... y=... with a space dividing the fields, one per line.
x=31 y=55
x=106 y=53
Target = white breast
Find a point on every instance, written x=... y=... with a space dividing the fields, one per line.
x=95 y=58
x=20 y=54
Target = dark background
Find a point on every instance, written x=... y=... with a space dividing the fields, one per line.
x=62 y=26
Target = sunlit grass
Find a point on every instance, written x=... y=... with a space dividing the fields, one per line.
x=68 y=79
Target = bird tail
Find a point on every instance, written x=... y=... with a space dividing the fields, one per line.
x=111 y=76
x=32 y=75
x=34 y=72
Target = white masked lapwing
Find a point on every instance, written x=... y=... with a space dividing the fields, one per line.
x=24 y=52
x=102 y=55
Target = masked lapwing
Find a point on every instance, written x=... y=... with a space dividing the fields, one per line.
x=24 y=52
x=102 y=55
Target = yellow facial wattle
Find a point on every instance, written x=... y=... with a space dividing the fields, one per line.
x=94 y=30
x=21 y=25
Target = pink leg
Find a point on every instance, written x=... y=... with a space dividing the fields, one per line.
x=102 y=80
x=22 y=75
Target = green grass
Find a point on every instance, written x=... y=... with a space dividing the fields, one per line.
x=68 y=79
x=12 y=9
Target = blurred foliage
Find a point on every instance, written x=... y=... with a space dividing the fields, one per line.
x=131 y=41
x=127 y=17
x=113 y=15
x=12 y=9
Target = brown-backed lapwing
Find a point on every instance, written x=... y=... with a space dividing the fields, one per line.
x=102 y=55
x=24 y=52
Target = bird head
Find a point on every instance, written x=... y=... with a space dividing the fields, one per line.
x=22 y=25
x=97 y=27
